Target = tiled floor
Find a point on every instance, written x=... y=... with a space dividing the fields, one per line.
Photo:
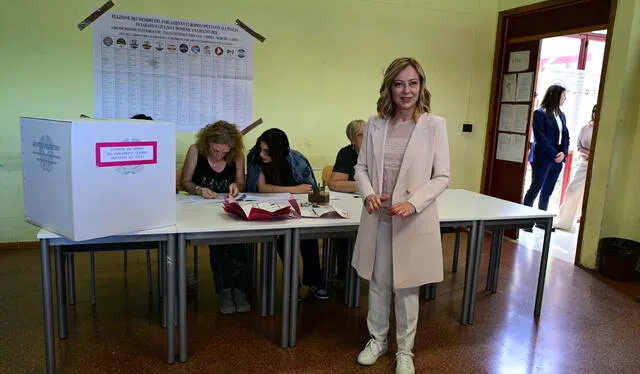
x=563 y=243
x=588 y=324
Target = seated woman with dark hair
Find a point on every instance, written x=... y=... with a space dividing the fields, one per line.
x=274 y=167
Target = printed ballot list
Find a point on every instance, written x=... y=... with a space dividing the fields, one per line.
x=188 y=72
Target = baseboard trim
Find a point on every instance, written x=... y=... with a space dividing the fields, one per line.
x=19 y=245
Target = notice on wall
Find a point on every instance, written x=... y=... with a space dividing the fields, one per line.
x=514 y=118
x=525 y=86
x=510 y=147
x=509 y=82
x=518 y=61
x=188 y=72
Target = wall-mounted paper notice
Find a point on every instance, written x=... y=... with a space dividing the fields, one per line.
x=521 y=116
x=518 y=61
x=523 y=91
x=514 y=118
x=510 y=147
x=183 y=71
x=509 y=82
x=506 y=117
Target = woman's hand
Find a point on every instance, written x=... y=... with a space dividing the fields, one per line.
x=207 y=193
x=374 y=202
x=302 y=188
x=403 y=209
x=233 y=189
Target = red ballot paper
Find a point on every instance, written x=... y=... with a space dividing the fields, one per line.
x=271 y=209
x=262 y=211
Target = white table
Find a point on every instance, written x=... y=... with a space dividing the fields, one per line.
x=481 y=213
x=453 y=213
x=498 y=215
x=47 y=238
x=206 y=220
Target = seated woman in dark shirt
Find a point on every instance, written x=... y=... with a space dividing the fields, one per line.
x=282 y=169
x=215 y=165
x=342 y=178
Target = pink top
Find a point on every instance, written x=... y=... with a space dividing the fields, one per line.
x=398 y=135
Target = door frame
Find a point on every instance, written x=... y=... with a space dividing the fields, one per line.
x=509 y=18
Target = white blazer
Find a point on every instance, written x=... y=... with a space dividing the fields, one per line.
x=423 y=176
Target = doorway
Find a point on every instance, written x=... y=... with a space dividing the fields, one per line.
x=514 y=85
x=574 y=62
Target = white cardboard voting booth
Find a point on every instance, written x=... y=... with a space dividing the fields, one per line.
x=90 y=178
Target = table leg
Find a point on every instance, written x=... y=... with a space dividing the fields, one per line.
x=47 y=306
x=61 y=292
x=492 y=260
x=431 y=291
x=286 y=290
x=182 y=292
x=468 y=273
x=71 y=278
x=170 y=300
x=496 y=268
x=263 y=279
x=543 y=266
x=456 y=250
x=476 y=272
x=162 y=264
x=272 y=283
x=354 y=279
x=293 y=313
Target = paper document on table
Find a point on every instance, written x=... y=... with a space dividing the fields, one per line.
x=324 y=211
x=185 y=198
x=334 y=195
x=268 y=206
x=284 y=196
x=259 y=211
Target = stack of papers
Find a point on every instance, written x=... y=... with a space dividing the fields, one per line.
x=259 y=211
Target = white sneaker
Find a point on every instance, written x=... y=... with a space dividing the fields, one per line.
x=242 y=305
x=371 y=352
x=225 y=302
x=404 y=363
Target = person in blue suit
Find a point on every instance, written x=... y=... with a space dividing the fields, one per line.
x=550 y=146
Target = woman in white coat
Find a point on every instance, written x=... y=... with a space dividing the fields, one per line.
x=403 y=166
x=575 y=190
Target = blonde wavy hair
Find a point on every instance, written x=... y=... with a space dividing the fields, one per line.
x=220 y=132
x=386 y=107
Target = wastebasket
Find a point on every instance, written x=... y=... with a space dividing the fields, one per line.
x=619 y=258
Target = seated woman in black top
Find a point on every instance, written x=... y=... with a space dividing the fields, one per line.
x=215 y=165
x=285 y=170
x=342 y=178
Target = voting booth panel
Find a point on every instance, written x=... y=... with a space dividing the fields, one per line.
x=90 y=178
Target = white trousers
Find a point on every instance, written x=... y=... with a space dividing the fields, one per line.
x=380 y=291
x=572 y=202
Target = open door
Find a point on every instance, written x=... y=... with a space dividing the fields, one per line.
x=521 y=30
